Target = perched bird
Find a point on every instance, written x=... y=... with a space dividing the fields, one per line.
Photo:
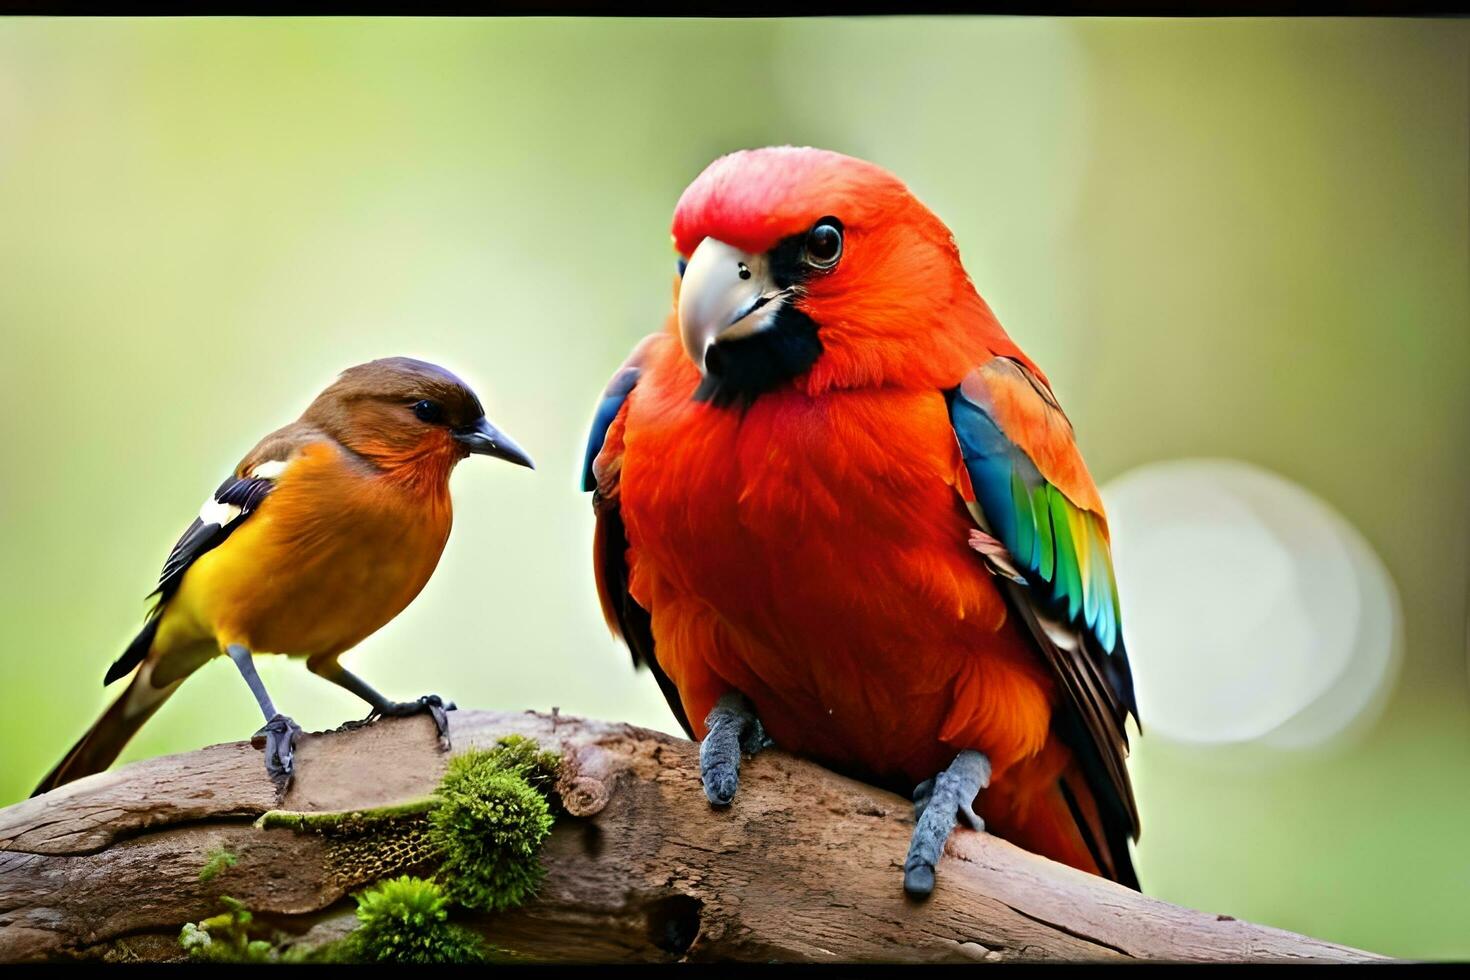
x=326 y=530
x=838 y=509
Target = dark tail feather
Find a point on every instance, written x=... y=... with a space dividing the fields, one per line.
x=136 y=651
x=1106 y=827
x=1047 y=805
x=105 y=740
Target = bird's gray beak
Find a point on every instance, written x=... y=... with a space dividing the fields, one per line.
x=725 y=294
x=484 y=439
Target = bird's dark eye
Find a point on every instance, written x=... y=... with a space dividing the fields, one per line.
x=428 y=411
x=824 y=243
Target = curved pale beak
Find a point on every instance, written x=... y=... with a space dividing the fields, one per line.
x=725 y=294
x=484 y=439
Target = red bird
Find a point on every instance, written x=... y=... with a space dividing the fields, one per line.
x=838 y=509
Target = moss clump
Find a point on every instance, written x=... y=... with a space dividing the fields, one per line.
x=525 y=757
x=488 y=827
x=226 y=938
x=402 y=920
x=216 y=863
x=483 y=827
x=406 y=920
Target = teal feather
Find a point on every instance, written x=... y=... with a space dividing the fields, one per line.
x=1025 y=543
x=1041 y=504
x=1093 y=590
x=1068 y=574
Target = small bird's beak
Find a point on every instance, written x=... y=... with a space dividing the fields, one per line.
x=725 y=294
x=486 y=440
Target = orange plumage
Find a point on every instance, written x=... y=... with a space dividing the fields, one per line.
x=807 y=543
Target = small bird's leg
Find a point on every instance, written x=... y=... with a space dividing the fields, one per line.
x=278 y=736
x=732 y=728
x=382 y=707
x=938 y=804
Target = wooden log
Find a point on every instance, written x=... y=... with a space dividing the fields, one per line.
x=805 y=865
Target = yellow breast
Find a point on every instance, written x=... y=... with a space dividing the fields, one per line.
x=331 y=555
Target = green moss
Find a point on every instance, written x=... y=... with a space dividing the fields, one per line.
x=365 y=845
x=524 y=756
x=483 y=828
x=406 y=920
x=402 y=920
x=227 y=937
x=490 y=824
x=344 y=821
x=216 y=863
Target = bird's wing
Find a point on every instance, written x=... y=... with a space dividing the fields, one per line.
x=229 y=506
x=601 y=474
x=1043 y=532
x=223 y=512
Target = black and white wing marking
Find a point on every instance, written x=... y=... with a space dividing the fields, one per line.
x=231 y=504
x=226 y=510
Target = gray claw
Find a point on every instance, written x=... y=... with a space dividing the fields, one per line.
x=922 y=794
x=732 y=728
x=720 y=783
x=755 y=738
x=939 y=804
x=278 y=739
x=918 y=879
x=431 y=703
x=970 y=817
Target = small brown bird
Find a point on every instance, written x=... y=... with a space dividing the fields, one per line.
x=326 y=530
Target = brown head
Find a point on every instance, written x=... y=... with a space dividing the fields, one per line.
x=400 y=411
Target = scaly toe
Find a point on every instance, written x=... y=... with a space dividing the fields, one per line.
x=755 y=740
x=433 y=704
x=922 y=794
x=973 y=819
x=278 y=739
x=720 y=786
x=918 y=880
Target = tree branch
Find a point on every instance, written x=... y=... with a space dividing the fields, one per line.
x=805 y=865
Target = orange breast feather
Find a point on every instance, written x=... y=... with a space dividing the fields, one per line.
x=811 y=553
x=332 y=554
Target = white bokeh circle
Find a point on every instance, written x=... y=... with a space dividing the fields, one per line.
x=1252 y=610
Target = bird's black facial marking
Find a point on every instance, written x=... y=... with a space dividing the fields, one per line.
x=737 y=371
x=787 y=265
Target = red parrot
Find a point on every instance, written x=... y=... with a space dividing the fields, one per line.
x=840 y=511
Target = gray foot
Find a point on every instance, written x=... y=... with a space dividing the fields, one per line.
x=939 y=803
x=432 y=704
x=733 y=729
x=278 y=739
x=922 y=793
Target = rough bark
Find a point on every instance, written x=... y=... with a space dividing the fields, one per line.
x=806 y=865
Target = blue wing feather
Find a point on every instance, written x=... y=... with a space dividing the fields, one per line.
x=1059 y=547
x=607 y=409
x=1061 y=551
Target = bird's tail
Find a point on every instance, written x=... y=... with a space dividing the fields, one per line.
x=1047 y=805
x=104 y=741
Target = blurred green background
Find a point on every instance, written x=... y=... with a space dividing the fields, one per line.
x=1236 y=238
